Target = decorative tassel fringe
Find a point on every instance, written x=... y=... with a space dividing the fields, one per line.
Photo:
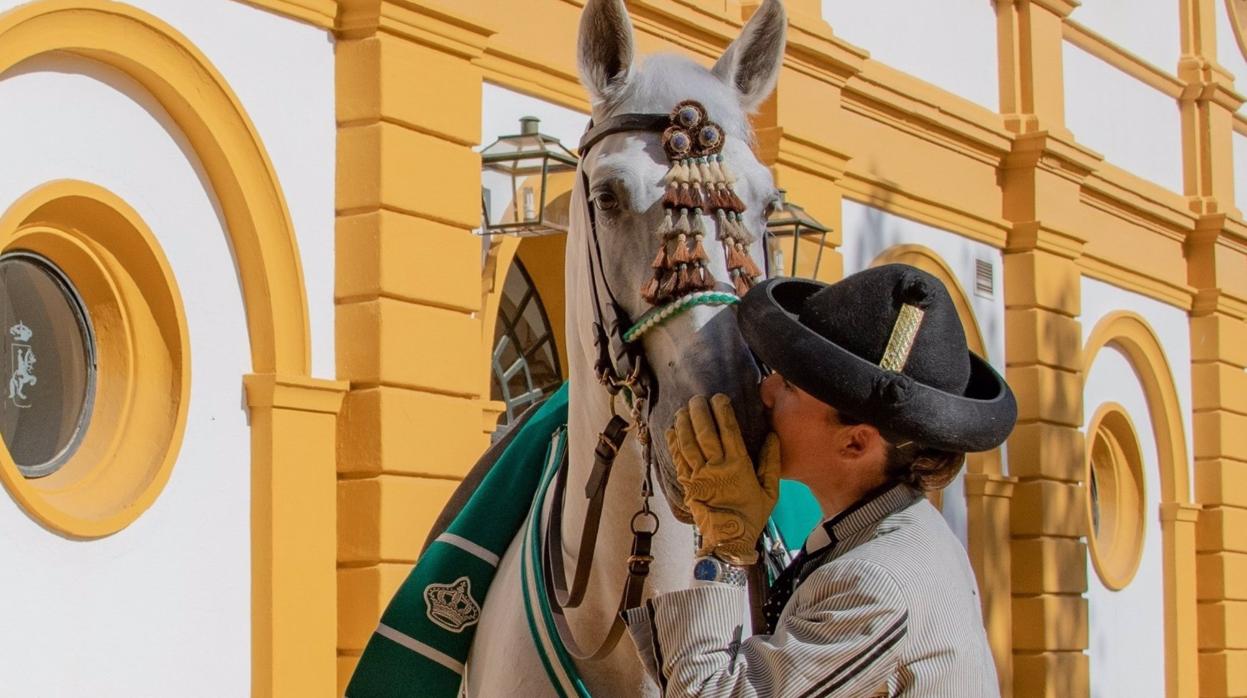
x=680 y=255
x=699 y=250
x=650 y=290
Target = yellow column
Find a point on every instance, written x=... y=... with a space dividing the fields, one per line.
x=294 y=627
x=407 y=290
x=1216 y=254
x=802 y=152
x=1041 y=181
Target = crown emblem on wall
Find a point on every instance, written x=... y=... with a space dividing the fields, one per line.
x=451 y=606
x=21 y=332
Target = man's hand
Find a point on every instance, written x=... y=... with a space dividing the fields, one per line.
x=729 y=502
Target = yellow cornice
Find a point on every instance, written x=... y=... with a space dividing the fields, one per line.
x=1119 y=274
x=886 y=95
x=815 y=51
x=1138 y=201
x=555 y=84
x=300 y=393
x=427 y=22
x=866 y=188
x=318 y=13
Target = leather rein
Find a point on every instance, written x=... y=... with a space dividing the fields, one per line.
x=620 y=367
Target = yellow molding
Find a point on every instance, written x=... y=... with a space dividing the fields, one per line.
x=878 y=192
x=1122 y=59
x=429 y=22
x=207 y=112
x=294 y=393
x=1222 y=575
x=318 y=13
x=142 y=390
x=1130 y=278
x=927 y=112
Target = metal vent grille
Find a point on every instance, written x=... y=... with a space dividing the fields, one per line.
x=984 y=278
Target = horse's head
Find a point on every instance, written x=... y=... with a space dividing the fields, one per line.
x=700 y=351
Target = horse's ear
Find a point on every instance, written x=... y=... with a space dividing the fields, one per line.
x=605 y=49
x=751 y=64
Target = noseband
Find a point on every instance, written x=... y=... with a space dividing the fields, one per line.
x=698 y=183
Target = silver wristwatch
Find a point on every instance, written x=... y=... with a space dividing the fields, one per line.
x=712 y=569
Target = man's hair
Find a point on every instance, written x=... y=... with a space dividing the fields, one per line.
x=920 y=467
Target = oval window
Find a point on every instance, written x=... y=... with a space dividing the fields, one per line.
x=1115 y=496
x=49 y=363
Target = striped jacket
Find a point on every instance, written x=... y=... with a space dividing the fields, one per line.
x=885 y=605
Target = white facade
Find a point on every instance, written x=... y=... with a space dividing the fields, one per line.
x=163 y=607
x=1149 y=144
x=1149 y=29
x=950 y=44
x=1127 y=626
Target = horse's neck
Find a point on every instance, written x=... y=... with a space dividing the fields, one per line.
x=589 y=410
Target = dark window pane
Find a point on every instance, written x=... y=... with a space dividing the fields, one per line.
x=48 y=362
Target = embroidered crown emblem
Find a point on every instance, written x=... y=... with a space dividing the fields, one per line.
x=451 y=606
x=21 y=332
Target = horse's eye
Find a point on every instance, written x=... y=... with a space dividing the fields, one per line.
x=606 y=201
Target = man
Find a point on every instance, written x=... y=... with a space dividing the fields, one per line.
x=874 y=399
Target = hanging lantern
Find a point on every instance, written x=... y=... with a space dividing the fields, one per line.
x=786 y=227
x=526 y=161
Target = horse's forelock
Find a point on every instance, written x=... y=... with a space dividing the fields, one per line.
x=663 y=80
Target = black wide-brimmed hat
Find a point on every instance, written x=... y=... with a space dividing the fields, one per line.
x=886 y=347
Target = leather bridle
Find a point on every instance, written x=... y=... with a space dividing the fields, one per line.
x=621 y=368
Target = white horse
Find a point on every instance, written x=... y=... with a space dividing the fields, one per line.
x=699 y=352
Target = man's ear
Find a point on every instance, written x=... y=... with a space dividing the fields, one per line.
x=751 y=64
x=605 y=50
x=860 y=440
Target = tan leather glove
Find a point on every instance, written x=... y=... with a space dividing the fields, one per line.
x=729 y=501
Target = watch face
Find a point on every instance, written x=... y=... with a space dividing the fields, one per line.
x=705 y=570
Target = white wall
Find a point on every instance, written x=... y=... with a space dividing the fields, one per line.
x=951 y=44
x=1148 y=29
x=163 y=607
x=1172 y=328
x=282 y=72
x=1229 y=55
x=1240 y=170
x=1127 y=627
x=1148 y=143
x=869 y=231
x=501 y=110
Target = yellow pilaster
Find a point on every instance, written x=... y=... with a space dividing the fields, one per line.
x=294 y=588
x=1216 y=255
x=802 y=151
x=1042 y=177
x=407 y=289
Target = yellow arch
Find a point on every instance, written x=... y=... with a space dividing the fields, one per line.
x=200 y=102
x=1131 y=334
